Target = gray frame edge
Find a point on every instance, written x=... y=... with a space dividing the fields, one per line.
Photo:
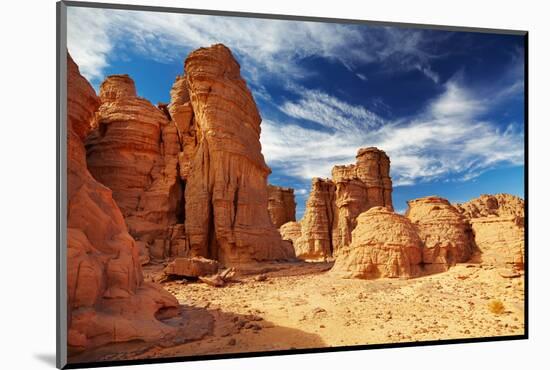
x=226 y=13
x=61 y=188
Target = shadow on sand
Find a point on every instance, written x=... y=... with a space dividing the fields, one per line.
x=207 y=332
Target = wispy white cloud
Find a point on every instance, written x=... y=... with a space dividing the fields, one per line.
x=329 y=111
x=449 y=137
x=265 y=47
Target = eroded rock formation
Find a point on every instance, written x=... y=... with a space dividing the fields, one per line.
x=332 y=210
x=359 y=187
x=134 y=151
x=497 y=223
x=500 y=205
x=384 y=244
x=226 y=191
x=446 y=234
x=281 y=205
x=291 y=231
x=108 y=301
x=315 y=242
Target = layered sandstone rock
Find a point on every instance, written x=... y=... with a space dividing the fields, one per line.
x=291 y=231
x=501 y=205
x=500 y=240
x=384 y=244
x=108 y=301
x=226 y=190
x=134 y=150
x=281 y=205
x=315 y=242
x=354 y=188
x=359 y=187
x=446 y=234
x=191 y=267
x=497 y=223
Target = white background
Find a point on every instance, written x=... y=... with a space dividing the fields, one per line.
x=27 y=204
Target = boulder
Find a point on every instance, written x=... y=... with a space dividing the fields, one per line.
x=446 y=234
x=384 y=244
x=191 y=267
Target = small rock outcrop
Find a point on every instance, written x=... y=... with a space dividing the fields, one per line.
x=134 y=151
x=446 y=234
x=281 y=205
x=226 y=196
x=291 y=231
x=315 y=242
x=330 y=219
x=384 y=244
x=500 y=205
x=108 y=301
x=191 y=267
x=497 y=223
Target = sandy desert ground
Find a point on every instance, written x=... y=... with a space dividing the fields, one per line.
x=299 y=305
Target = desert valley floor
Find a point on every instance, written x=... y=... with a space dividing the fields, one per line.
x=296 y=306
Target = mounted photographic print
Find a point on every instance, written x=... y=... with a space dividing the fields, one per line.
x=235 y=184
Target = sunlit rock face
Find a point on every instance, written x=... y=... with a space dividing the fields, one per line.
x=497 y=223
x=446 y=234
x=334 y=205
x=226 y=193
x=384 y=244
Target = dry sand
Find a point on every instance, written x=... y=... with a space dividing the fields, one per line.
x=299 y=305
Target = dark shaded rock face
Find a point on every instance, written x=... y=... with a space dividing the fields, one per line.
x=108 y=301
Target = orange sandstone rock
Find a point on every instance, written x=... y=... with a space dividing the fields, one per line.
x=315 y=242
x=384 y=244
x=134 y=151
x=497 y=223
x=108 y=301
x=281 y=205
x=291 y=231
x=493 y=205
x=355 y=188
x=226 y=198
x=445 y=232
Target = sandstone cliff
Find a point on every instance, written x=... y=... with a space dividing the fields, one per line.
x=446 y=234
x=134 y=151
x=281 y=205
x=108 y=301
x=359 y=187
x=497 y=223
x=332 y=209
x=384 y=244
x=315 y=242
x=226 y=195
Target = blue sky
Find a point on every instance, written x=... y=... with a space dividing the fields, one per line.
x=447 y=107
